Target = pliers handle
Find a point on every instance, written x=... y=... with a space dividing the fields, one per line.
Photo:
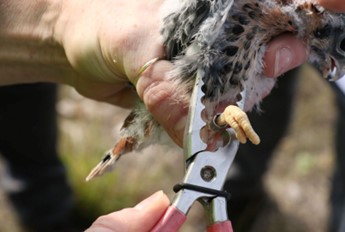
x=205 y=174
x=173 y=219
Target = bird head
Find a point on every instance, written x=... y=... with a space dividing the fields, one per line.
x=327 y=50
x=337 y=56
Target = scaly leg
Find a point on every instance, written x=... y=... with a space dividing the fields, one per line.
x=237 y=119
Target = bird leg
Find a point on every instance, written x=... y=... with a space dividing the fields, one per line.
x=237 y=119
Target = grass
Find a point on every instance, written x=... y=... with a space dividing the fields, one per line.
x=85 y=136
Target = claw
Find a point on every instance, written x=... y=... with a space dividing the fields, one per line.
x=238 y=120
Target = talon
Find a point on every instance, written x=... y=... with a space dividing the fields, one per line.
x=238 y=120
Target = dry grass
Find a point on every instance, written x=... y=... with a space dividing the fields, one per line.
x=298 y=179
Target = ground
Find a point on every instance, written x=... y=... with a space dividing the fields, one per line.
x=298 y=180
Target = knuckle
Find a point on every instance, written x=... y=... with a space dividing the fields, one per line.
x=154 y=94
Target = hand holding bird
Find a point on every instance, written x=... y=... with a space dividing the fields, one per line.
x=225 y=42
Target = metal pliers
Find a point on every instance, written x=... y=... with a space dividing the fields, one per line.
x=205 y=175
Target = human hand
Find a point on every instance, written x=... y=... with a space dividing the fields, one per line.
x=107 y=42
x=141 y=217
x=131 y=42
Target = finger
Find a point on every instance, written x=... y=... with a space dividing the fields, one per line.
x=283 y=53
x=333 y=5
x=140 y=218
x=160 y=96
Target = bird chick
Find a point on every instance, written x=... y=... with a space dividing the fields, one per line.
x=224 y=41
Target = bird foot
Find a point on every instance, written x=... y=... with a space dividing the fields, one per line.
x=237 y=119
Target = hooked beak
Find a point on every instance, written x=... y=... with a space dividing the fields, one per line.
x=333 y=72
x=336 y=68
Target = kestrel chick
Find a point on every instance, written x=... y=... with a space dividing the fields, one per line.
x=224 y=41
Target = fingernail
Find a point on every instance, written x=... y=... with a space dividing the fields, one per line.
x=283 y=60
x=148 y=201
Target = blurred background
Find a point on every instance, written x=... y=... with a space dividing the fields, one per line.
x=298 y=180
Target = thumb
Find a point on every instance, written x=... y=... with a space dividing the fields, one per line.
x=140 y=218
x=333 y=5
x=282 y=54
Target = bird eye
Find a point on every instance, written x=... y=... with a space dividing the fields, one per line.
x=341 y=45
x=323 y=32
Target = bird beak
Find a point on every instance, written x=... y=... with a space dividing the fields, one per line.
x=332 y=74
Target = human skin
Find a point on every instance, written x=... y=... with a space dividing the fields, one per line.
x=83 y=43
x=333 y=5
x=141 y=217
